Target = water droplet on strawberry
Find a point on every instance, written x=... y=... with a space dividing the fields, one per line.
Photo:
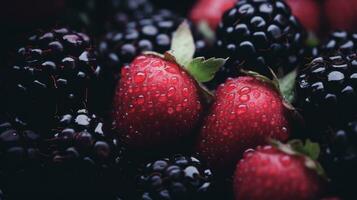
x=244 y=98
x=140 y=100
x=256 y=94
x=242 y=109
x=231 y=87
x=139 y=77
x=171 y=92
x=285 y=160
x=174 y=80
x=185 y=92
x=244 y=90
x=284 y=129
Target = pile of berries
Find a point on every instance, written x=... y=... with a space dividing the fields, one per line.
x=178 y=100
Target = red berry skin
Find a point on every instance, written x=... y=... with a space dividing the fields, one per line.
x=308 y=12
x=245 y=114
x=210 y=11
x=156 y=102
x=268 y=173
x=341 y=14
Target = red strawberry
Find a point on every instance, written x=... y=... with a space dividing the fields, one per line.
x=156 y=101
x=210 y=11
x=341 y=14
x=247 y=112
x=269 y=173
x=308 y=12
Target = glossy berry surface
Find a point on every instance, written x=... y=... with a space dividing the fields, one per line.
x=340 y=41
x=268 y=173
x=326 y=90
x=245 y=114
x=80 y=149
x=179 y=177
x=53 y=72
x=156 y=102
x=259 y=34
x=154 y=33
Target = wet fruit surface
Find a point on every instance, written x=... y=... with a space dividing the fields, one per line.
x=156 y=102
x=245 y=114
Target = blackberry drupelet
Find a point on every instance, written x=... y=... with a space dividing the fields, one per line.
x=340 y=159
x=118 y=48
x=326 y=90
x=81 y=150
x=257 y=34
x=180 y=177
x=21 y=160
x=53 y=72
x=341 y=41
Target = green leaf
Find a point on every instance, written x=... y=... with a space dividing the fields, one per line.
x=204 y=70
x=206 y=31
x=183 y=45
x=287 y=86
x=312 y=149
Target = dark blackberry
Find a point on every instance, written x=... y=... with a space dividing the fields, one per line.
x=53 y=72
x=326 y=90
x=84 y=157
x=118 y=48
x=256 y=34
x=180 y=177
x=123 y=11
x=340 y=159
x=341 y=41
x=21 y=160
x=97 y=15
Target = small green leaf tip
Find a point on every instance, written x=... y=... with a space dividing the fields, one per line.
x=206 y=31
x=204 y=70
x=183 y=45
x=287 y=85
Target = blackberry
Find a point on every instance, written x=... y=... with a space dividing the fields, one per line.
x=340 y=159
x=123 y=11
x=118 y=48
x=53 y=72
x=180 y=177
x=341 y=41
x=256 y=34
x=20 y=158
x=81 y=150
x=326 y=90
x=97 y=15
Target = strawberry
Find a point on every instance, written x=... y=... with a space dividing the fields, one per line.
x=280 y=174
x=308 y=12
x=158 y=98
x=341 y=14
x=210 y=11
x=247 y=112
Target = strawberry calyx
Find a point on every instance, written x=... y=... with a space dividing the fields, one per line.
x=310 y=151
x=182 y=53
